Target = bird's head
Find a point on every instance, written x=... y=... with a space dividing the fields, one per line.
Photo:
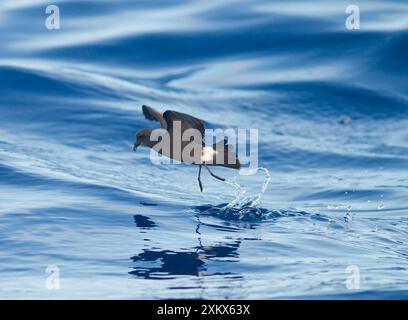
x=143 y=138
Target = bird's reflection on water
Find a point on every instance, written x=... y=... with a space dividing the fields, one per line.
x=158 y=263
x=143 y=222
x=177 y=263
x=167 y=264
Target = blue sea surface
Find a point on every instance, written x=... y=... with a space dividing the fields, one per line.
x=331 y=107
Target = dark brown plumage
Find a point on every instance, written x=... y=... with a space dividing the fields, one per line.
x=208 y=155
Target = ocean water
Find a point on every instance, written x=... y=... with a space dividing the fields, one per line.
x=75 y=199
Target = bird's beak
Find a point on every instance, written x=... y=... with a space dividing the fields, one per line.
x=135 y=146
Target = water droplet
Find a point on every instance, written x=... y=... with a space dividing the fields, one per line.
x=348 y=217
x=345 y=120
x=380 y=207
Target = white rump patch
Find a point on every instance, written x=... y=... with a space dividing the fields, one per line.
x=208 y=154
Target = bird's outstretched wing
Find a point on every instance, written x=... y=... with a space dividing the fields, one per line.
x=154 y=115
x=187 y=121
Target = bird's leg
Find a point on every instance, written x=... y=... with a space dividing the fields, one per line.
x=199 y=180
x=216 y=177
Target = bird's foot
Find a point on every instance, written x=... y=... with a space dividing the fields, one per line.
x=217 y=177
x=213 y=175
x=199 y=179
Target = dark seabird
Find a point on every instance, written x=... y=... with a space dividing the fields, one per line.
x=219 y=154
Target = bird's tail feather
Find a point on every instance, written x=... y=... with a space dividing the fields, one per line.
x=230 y=158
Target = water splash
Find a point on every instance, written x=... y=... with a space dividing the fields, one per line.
x=268 y=178
x=245 y=207
x=240 y=193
